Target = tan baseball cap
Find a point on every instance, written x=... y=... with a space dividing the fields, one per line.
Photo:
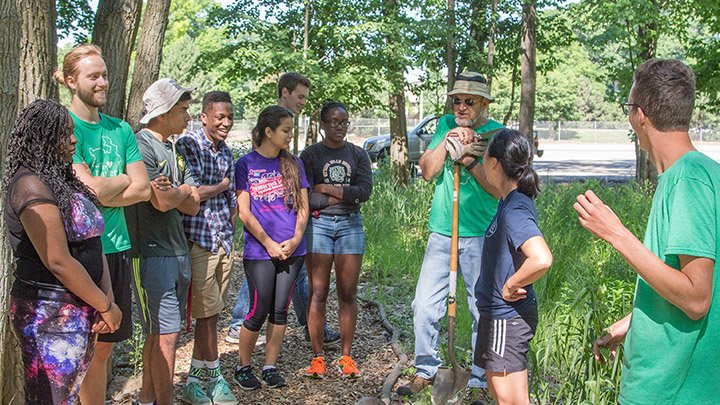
x=471 y=83
x=160 y=97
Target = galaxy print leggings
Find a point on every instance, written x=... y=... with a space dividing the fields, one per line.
x=56 y=344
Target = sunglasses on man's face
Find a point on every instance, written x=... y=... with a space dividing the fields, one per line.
x=468 y=101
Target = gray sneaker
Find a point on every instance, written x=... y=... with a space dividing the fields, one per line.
x=194 y=394
x=221 y=393
x=233 y=335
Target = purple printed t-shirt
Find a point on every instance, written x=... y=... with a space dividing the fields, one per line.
x=261 y=177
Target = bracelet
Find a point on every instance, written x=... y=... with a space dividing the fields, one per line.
x=108 y=308
x=472 y=165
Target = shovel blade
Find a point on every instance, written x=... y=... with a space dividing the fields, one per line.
x=448 y=383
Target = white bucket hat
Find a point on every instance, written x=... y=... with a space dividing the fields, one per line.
x=160 y=97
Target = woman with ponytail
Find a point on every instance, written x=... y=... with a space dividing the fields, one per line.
x=61 y=296
x=273 y=206
x=514 y=256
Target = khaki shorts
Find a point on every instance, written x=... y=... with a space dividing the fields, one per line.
x=210 y=280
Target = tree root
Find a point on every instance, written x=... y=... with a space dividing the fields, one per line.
x=394 y=344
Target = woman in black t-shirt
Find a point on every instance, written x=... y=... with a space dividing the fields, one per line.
x=514 y=256
x=340 y=180
x=61 y=296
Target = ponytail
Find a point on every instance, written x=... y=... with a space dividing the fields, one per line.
x=290 y=171
x=512 y=149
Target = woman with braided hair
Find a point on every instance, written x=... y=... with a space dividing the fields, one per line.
x=272 y=203
x=61 y=297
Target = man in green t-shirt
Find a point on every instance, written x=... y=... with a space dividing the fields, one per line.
x=108 y=161
x=673 y=332
x=468 y=122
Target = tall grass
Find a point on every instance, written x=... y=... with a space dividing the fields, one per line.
x=588 y=287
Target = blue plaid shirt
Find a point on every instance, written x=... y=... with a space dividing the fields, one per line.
x=211 y=226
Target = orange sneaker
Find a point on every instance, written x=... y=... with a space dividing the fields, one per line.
x=317 y=368
x=348 y=367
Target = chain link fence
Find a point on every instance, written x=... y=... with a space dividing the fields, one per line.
x=548 y=131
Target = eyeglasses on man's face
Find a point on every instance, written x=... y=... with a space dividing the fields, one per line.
x=468 y=101
x=340 y=125
x=626 y=107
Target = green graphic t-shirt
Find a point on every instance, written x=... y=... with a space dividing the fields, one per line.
x=477 y=207
x=107 y=147
x=669 y=358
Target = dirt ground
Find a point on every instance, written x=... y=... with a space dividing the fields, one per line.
x=371 y=351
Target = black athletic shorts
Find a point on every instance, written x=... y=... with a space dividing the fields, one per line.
x=502 y=344
x=120 y=279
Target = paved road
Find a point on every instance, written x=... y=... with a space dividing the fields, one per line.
x=564 y=162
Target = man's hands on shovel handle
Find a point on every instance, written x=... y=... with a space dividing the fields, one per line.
x=611 y=340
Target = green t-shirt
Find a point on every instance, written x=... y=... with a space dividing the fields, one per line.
x=161 y=233
x=477 y=207
x=669 y=358
x=107 y=147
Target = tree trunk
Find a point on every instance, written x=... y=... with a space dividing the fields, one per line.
x=450 y=52
x=645 y=170
x=306 y=46
x=149 y=57
x=9 y=73
x=312 y=132
x=38 y=51
x=398 y=138
x=398 y=124
x=527 y=70
x=115 y=29
x=11 y=388
x=491 y=44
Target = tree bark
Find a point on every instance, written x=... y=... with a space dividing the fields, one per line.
x=491 y=44
x=398 y=124
x=450 y=53
x=312 y=132
x=527 y=70
x=11 y=388
x=398 y=138
x=306 y=46
x=38 y=51
x=149 y=57
x=645 y=170
x=115 y=29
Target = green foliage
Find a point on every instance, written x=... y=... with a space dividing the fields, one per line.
x=76 y=18
x=588 y=287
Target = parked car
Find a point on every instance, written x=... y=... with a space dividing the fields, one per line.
x=378 y=147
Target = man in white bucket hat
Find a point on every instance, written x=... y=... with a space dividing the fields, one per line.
x=456 y=139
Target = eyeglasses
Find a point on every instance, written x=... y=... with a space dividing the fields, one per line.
x=468 y=101
x=626 y=109
x=341 y=124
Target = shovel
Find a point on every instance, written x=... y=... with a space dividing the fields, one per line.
x=450 y=381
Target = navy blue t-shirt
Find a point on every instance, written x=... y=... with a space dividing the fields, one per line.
x=514 y=223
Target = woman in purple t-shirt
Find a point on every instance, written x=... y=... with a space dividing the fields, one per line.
x=273 y=205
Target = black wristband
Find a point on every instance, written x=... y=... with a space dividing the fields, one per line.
x=108 y=308
x=472 y=165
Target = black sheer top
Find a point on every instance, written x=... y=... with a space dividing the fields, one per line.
x=83 y=230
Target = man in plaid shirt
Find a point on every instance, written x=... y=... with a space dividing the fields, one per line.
x=210 y=234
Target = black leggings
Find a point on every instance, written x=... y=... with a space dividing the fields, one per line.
x=270 y=283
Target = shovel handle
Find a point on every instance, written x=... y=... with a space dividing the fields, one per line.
x=454 y=241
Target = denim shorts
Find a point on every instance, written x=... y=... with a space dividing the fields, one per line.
x=336 y=234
